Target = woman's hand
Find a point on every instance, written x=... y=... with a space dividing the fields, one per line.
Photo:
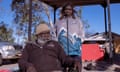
x=77 y=66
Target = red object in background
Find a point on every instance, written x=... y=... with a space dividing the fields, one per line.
x=91 y=52
x=5 y=71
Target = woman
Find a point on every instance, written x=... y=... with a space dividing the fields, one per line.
x=70 y=32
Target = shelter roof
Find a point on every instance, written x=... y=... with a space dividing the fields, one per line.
x=58 y=3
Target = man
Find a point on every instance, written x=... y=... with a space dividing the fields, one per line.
x=44 y=55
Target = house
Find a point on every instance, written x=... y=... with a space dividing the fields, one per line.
x=116 y=42
x=93 y=46
x=101 y=38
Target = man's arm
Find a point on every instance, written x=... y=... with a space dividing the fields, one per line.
x=65 y=60
x=23 y=62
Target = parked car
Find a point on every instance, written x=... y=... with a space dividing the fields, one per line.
x=9 y=51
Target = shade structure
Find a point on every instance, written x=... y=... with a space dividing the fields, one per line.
x=105 y=3
x=58 y=3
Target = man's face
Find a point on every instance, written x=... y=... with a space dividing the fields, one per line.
x=44 y=36
x=68 y=11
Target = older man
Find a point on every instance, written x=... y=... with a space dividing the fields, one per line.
x=44 y=55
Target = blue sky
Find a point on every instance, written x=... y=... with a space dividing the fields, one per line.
x=94 y=14
x=6 y=14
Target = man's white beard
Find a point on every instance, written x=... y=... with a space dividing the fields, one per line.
x=41 y=41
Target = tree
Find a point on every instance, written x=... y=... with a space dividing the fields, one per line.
x=22 y=14
x=85 y=22
x=5 y=32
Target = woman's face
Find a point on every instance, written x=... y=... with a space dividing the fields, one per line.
x=68 y=10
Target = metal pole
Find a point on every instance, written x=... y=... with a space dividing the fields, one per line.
x=109 y=29
x=67 y=35
x=55 y=19
x=30 y=20
x=105 y=21
x=54 y=15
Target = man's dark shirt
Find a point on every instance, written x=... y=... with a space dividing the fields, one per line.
x=46 y=58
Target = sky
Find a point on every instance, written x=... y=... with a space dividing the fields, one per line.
x=94 y=14
x=6 y=14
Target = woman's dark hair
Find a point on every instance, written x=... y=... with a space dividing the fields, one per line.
x=64 y=7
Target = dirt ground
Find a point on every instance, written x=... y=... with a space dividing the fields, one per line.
x=100 y=66
x=104 y=65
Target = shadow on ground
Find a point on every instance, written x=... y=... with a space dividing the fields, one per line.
x=111 y=65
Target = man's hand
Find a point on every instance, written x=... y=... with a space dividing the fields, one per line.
x=31 y=69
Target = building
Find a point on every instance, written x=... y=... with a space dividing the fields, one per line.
x=101 y=39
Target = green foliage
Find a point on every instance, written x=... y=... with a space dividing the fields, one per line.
x=21 y=10
x=6 y=33
x=21 y=16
